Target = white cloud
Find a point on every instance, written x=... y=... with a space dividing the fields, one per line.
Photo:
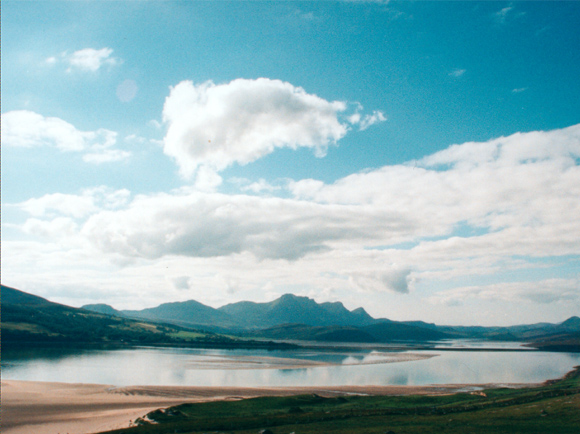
x=244 y=120
x=474 y=209
x=354 y=118
x=306 y=188
x=306 y=16
x=394 y=279
x=67 y=204
x=542 y=292
x=196 y=224
x=501 y=16
x=106 y=156
x=457 y=73
x=155 y=124
x=181 y=282
x=381 y=2
x=27 y=129
x=260 y=186
x=134 y=139
x=207 y=179
x=518 y=149
x=59 y=228
x=23 y=128
x=88 y=202
x=365 y=121
x=519 y=192
x=127 y=90
x=369 y=120
x=90 y=59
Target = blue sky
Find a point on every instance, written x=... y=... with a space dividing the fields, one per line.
x=419 y=159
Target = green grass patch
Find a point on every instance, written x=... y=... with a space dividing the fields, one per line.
x=151 y=327
x=553 y=408
x=26 y=327
x=186 y=335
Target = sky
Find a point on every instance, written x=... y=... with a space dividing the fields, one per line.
x=417 y=159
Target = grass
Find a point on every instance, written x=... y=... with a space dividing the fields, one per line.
x=553 y=408
x=26 y=327
x=152 y=327
x=186 y=335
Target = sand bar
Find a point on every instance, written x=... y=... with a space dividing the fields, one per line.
x=66 y=408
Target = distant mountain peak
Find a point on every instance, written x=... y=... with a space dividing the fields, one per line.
x=572 y=322
x=293 y=298
x=291 y=308
x=289 y=296
x=360 y=311
x=333 y=303
x=101 y=308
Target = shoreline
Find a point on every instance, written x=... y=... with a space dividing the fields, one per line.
x=73 y=408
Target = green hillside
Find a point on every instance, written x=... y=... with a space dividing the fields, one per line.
x=381 y=332
x=301 y=332
x=28 y=319
x=192 y=313
x=553 y=407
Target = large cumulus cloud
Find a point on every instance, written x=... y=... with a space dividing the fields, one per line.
x=244 y=120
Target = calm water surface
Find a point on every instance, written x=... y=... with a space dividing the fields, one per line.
x=251 y=368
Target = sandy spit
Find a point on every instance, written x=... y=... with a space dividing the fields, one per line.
x=66 y=408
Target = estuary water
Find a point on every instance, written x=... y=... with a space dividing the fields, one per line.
x=263 y=368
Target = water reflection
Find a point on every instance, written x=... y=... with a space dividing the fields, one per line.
x=399 y=380
x=247 y=368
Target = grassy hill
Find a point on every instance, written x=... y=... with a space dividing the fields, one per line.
x=553 y=407
x=302 y=332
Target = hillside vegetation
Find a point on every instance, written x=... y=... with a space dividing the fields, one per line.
x=292 y=317
x=553 y=407
x=28 y=319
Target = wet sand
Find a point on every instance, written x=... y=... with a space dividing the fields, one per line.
x=66 y=408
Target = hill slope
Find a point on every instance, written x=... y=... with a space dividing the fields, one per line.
x=102 y=308
x=185 y=313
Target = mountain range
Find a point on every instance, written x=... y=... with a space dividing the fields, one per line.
x=292 y=317
x=26 y=317
x=29 y=320
x=247 y=315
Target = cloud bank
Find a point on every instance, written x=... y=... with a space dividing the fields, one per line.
x=473 y=209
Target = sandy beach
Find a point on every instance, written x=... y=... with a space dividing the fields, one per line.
x=66 y=408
